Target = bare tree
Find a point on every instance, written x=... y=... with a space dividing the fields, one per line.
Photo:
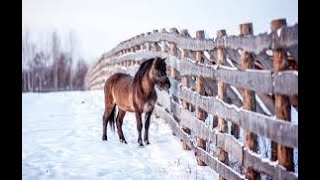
x=55 y=55
x=72 y=47
x=80 y=72
x=47 y=67
x=27 y=53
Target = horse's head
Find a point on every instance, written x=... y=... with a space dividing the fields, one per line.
x=158 y=73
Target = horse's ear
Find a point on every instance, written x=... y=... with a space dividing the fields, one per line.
x=162 y=59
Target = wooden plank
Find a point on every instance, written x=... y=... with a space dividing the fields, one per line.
x=260 y=124
x=265 y=166
x=230 y=144
x=254 y=44
x=199 y=128
x=221 y=168
x=281 y=79
x=250 y=79
x=246 y=79
x=286 y=83
x=211 y=161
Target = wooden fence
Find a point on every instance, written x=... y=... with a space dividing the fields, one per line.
x=228 y=94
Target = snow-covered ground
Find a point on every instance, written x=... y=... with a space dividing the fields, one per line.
x=61 y=139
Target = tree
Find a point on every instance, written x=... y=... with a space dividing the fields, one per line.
x=72 y=47
x=55 y=55
x=80 y=72
x=48 y=66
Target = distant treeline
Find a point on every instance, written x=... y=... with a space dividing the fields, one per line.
x=50 y=67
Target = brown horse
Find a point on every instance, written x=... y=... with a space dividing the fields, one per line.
x=134 y=94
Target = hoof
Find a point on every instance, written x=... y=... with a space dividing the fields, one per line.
x=146 y=142
x=140 y=142
x=123 y=141
x=141 y=145
x=104 y=138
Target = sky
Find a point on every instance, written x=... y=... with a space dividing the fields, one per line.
x=99 y=25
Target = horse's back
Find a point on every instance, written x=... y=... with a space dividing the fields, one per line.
x=116 y=77
x=118 y=88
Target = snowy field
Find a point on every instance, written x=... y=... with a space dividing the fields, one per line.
x=61 y=139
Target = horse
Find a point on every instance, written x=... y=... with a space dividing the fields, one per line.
x=134 y=94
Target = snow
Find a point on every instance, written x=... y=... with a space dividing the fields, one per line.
x=264 y=108
x=237 y=92
x=279 y=32
x=230 y=63
x=61 y=139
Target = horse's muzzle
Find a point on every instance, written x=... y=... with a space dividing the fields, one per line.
x=166 y=84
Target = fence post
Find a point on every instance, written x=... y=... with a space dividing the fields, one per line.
x=200 y=114
x=185 y=83
x=222 y=125
x=173 y=52
x=147 y=44
x=154 y=45
x=249 y=101
x=163 y=43
x=142 y=47
x=137 y=47
x=282 y=102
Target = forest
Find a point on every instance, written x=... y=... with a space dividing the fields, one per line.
x=48 y=65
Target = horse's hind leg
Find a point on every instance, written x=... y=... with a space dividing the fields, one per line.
x=105 y=123
x=119 y=122
x=104 y=127
x=108 y=106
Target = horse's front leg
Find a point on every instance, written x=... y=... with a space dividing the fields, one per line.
x=139 y=127
x=146 y=126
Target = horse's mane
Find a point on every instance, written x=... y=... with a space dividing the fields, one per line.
x=144 y=67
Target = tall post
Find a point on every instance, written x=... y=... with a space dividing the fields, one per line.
x=163 y=43
x=147 y=44
x=284 y=154
x=200 y=114
x=173 y=51
x=222 y=125
x=185 y=83
x=154 y=45
x=249 y=101
x=142 y=46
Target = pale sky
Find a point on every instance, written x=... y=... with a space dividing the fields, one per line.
x=101 y=24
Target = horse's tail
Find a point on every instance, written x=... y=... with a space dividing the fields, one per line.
x=111 y=118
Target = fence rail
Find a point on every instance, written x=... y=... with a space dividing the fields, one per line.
x=249 y=81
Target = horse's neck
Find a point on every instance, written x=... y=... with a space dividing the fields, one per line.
x=147 y=84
